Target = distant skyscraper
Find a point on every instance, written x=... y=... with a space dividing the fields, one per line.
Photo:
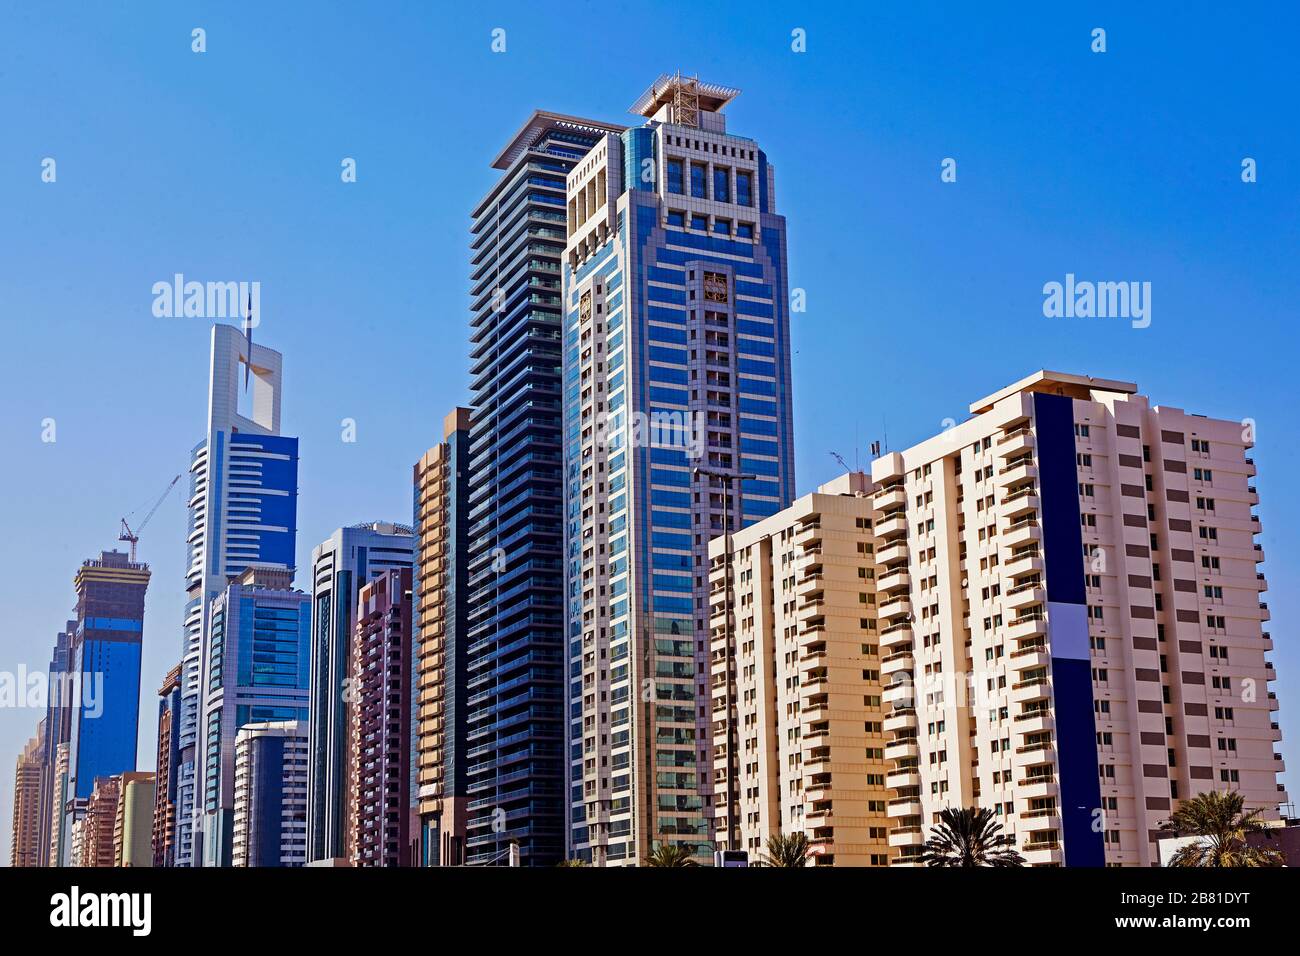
x=243 y=500
x=380 y=718
x=440 y=606
x=60 y=817
x=270 y=826
x=256 y=670
x=516 y=720
x=133 y=821
x=96 y=843
x=164 y=822
x=106 y=660
x=25 y=848
x=676 y=358
x=57 y=730
x=340 y=565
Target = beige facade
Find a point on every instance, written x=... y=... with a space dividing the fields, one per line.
x=133 y=822
x=986 y=619
x=433 y=617
x=809 y=742
x=25 y=848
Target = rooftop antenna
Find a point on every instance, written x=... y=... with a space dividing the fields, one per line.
x=248 y=332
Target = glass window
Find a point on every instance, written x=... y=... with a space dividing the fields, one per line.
x=745 y=230
x=700 y=222
x=722 y=227
x=721 y=184
x=675 y=182
x=744 y=188
x=698 y=181
x=676 y=218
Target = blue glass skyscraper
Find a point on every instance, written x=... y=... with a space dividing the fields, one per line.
x=243 y=511
x=677 y=424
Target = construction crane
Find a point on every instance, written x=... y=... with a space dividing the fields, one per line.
x=134 y=536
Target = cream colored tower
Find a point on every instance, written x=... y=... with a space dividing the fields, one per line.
x=1071 y=620
x=810 y=752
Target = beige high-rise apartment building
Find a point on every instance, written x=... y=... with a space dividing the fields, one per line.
x=808 y=749
x=25 y=850
x=133 y=821
x=1071 y=619
x=96 y=842
x=440 y=601
x=1064 y=597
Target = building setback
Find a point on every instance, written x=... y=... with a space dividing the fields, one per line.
x=341 y=565
x=676 y=384
x=243 y=511
x=807 y=752
x=270 y=821
x=25 y=845
x=1070 y=621
x=515 y=724
x=256 y=671
x=440 y=608
x=381 y=722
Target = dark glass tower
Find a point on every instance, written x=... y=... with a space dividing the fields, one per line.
x=515 y=653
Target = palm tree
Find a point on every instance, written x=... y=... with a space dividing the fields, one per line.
x=670 y=854
x=1220 y=822
x=970 y=836
x=574 y=862
x=787 y=851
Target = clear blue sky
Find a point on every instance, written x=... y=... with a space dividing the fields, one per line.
x=922 y=296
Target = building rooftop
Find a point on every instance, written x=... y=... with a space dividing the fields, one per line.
x=1056 y=383
x=712 y=97
x=541 y=122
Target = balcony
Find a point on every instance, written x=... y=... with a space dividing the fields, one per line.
x=902 y=694
x=906 y=836
x=888 y=554
x=1032 y=656
x=887 y=499
x=1026 y=627
x=894 y=607
x=1037 y=786
x=1023 y=532
x=904 y=718
x=1018 y=503
x=901 y=662
x=1034 y=722
x=904 y=807
x=902 y=748
x=894 y=579
x=1017 y=471
x=1045 y=853
x=903 y=777
x=1023 y=561
x=1025 y=595
x=1014 y=442
x=894 y=636
x=1032 y=689
x=895 y=523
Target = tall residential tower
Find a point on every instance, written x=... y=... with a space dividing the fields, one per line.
x=677 y=426
x=516 y=667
